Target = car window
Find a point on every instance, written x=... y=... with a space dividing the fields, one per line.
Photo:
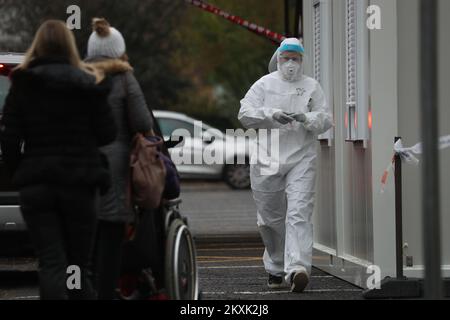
x=168 y=126
x=4 y=88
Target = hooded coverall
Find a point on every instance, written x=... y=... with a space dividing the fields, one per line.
x=285 y=198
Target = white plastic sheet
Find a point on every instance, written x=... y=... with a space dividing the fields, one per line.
x=409 y=155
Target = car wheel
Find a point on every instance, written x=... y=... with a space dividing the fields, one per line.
x=237 y=176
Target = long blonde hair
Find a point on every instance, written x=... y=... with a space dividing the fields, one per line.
x=53 y=38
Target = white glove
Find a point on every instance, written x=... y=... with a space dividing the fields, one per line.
x=282 y=118
x=300 y=117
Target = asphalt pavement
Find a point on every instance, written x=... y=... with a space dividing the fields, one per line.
x=235 y=271
x=229 y=251
x=214 y=210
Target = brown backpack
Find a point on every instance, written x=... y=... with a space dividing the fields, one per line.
x=147 y=173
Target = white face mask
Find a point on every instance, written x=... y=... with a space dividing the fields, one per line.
x=291 y=70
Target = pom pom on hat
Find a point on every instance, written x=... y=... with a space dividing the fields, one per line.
x=101 y=26
x=105 y=41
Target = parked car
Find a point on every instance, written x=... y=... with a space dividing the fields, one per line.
x=234 y=174
x=200 y=138
x=11 y=222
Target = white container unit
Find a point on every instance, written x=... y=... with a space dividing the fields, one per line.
x=372 y=80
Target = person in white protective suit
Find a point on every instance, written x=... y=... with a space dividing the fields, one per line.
x=288 y=101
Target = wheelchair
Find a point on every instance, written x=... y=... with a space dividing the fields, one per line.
x=177 y=277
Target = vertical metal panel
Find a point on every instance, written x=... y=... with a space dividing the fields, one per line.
x=384 y=100
x=409 y=123
x=357 y=72
x=325 y=219
x=342 y=184
x=351 y=50
x=317 y=36
x=325 y=57
x=433 y=284
x=362 y=210
x=358 y=219
x=351 y=66
x=363 y=73
x=444 y=125
x=408 y=105
x=315 y=66
x=358 y=225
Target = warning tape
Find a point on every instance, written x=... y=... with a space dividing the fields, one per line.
x=408 y=155
x=273 y=36
x=385 y=176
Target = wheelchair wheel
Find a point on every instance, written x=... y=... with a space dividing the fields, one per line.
x=180 y=263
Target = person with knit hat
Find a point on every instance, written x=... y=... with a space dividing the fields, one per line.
x=105 y=41
x=106 y=53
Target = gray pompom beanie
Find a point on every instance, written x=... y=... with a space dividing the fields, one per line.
x=105 y=41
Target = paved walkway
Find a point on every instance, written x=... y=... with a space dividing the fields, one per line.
x=236 y=272
x=223 y=223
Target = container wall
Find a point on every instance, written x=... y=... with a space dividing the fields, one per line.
x=409 y=127
x=343 y=220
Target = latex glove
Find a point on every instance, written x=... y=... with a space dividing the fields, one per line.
x=282 y=118
x=300 y=117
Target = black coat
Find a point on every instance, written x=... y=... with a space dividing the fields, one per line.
x=62 y=117
x=131 y=115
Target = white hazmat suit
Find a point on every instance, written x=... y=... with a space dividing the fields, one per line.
x=285 y=199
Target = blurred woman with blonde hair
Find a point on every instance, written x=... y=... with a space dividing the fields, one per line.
x=58 y=113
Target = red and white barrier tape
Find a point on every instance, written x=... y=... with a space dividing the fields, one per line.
x=408 y=155
x=386 y=172
x=273 y=36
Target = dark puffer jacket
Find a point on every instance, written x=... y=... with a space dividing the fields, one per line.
x=62 y=117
